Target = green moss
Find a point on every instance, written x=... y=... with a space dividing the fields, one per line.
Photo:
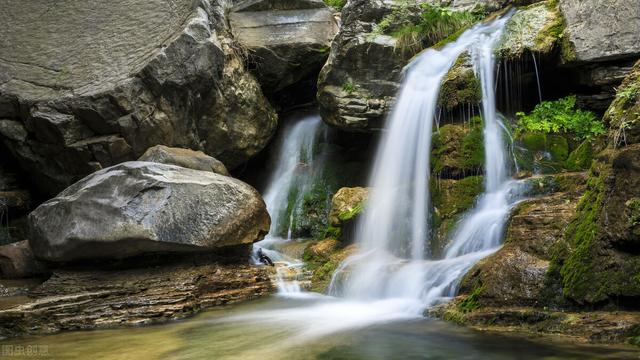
x=581 y=157
x=471 y=302
x=337 y=4
x=534 y=141
x=350 y=214
x=460 y=86
x=558 y=147
x=578 y=270
x=333 y=232
x=459 y=197
x=458 y=150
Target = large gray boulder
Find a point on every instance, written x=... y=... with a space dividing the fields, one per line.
x=288 y=40
x=137 y=208
x=85 y=85
x=599 y=30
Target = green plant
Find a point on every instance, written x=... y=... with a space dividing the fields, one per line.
x=337 y=4
x=433 y=24
x=561 y=116
x=348 y=87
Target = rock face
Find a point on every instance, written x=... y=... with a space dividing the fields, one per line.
x=138 y=208
x=357 y=85
x=74 y=300
x=602 y=30
x=170 y=76
x=516 y=274
x=600 y=262
x=196 y=160
x=17 y=261
x=288 y=41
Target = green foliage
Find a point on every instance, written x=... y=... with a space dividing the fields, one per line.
x=333 y=232
x=634 y=214
x=629 y=94
x=337 y=4
x=417 y=28
x=561 y=116
x=348 y=87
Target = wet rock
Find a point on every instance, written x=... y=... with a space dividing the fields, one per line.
x=601 y=30
x=137 y=208
x=589 y=326
x=74 y=300
x=172 y=77
x=536 y=28
x=450 y=200
x=346 y=204
x=601 y=263
x=288 y=41
x=187 y=158
x=458 y=151
x=322 y=260
x=17 y=261
x=516 y=275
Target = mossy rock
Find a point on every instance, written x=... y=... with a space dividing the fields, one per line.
x=458 y=151
x=450 y=199
x=581 y=157
x=536 y=28
x=460 y=86
x=542 y=153
x=600 y=260
x=322 y=258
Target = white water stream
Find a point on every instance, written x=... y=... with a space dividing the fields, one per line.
x=297 y=164
x=391 y=276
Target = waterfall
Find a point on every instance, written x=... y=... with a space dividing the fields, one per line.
x=392 y=261
x=294 y=174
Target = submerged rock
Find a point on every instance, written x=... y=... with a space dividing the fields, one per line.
x=137 y=208
x=187 y=158
x=288 y=41
x=68 y=108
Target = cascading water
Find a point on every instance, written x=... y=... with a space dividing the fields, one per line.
x=391 y=261
x=294 y=174
x=391 y=277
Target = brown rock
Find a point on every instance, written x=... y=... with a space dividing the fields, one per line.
x=187 y=158
x=17 y=261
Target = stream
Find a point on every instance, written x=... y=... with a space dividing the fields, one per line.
x=278 y=328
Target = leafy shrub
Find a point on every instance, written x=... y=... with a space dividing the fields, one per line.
x=433 y=24
x=561 y=116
